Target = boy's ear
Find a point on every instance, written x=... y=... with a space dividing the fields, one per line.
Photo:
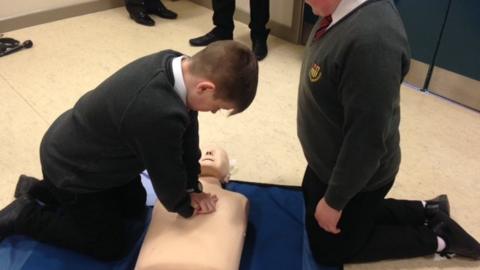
x=204 y=86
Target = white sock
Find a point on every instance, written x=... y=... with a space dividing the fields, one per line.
x=441 y=245
x=424 y=203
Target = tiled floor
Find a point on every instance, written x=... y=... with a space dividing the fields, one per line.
x=440 y=140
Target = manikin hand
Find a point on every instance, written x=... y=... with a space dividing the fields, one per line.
x=203 y=203
x=327 y=217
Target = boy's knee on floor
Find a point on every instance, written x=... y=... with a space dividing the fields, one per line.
x=112 y=246
x=111 y=251
x=328 y=259
x=330 y=252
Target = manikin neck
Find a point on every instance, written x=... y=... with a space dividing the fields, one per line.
x=210 y=180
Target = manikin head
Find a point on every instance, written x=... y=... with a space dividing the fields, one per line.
x=214 y=163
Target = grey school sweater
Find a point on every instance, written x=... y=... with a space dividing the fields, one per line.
x=348 y=101
x=132 y=121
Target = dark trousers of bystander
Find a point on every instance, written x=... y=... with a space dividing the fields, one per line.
x=223 y=11
x=372 y=228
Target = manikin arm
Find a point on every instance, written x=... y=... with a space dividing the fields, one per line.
x=213 y=241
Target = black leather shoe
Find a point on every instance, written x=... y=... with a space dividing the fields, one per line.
x=259 y=44
x=10 y=214
x=139 y=15
x=24 y=185
x=161 y=10
x=259 y=48
x=208 y=38
x=437 y=204
x=458 y=241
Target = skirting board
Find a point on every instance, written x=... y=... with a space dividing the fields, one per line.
x=57 y=14
x=417 y=74
x=456 y=87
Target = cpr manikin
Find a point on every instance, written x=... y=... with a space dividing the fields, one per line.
x=213 y=241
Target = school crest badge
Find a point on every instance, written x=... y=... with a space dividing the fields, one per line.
x=315 y=73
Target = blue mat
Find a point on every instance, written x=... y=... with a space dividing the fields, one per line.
x=22 y=253
x=275 y=238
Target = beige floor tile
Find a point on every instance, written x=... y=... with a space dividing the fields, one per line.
x=21 y=131
x=439 y=139
x=440 y=154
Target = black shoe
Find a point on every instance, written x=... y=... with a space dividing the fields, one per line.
x=458 y=241
x=10 y=214
x=139 y=15
x=437 y=204
x=24 y=185
x=161 y=10
x=259 y=44
x=208 y=38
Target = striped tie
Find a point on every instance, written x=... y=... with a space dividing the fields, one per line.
x=324 y=23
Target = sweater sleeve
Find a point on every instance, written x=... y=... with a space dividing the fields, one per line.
x=368 y=89
x=159 y=146
x=192 y=153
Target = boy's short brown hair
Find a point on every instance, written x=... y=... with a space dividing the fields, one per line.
x=233 y=68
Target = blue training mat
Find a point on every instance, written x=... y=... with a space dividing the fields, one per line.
x=275 y=238
x=22 y=253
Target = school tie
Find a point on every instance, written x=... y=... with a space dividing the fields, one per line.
x=324 y=23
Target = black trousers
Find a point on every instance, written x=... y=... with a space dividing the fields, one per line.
x=147 y=4
x=372 y=228
x=96 y=224
x=223 y=11
x=134 y=2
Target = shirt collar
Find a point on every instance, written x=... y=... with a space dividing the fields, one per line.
x=179 y=86
x=343 y=9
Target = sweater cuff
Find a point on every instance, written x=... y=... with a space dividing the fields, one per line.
x=192 y=182
x=185 y=209
x=336 y=199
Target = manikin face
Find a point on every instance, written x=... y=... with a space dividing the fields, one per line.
x=214 y=162
x=323 y=7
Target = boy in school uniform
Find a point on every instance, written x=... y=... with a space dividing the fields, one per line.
x=348 y=125
x=142 y=117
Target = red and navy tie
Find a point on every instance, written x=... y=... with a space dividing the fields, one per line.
x=324 y=23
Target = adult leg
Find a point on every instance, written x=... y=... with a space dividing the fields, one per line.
x=259 y=16
x=222 y=19
x=361 y=238
x=137 y=12
x=158 y=8
x=134 y=2
x=223 y=11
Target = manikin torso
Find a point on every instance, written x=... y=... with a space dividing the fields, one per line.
x=210 y=241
